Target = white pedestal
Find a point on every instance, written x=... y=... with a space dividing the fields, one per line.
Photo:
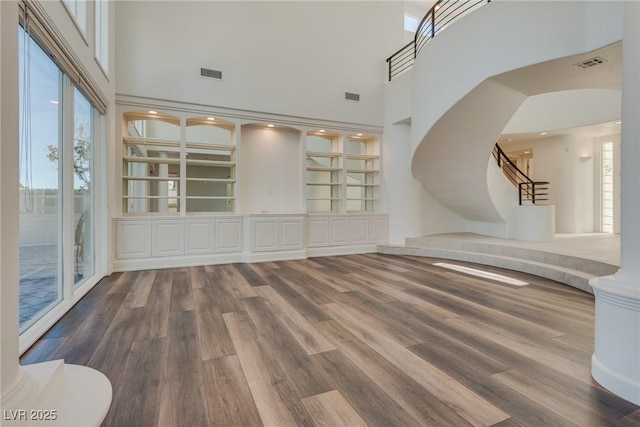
x=56 y=394
x=533 y=223
x=616 y=360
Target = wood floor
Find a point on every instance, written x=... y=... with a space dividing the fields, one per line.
x=354 y=340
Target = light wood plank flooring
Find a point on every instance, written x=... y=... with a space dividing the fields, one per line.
x=360 y=340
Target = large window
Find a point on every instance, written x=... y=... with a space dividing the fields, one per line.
x=607 y=187
x=57 y=245
x=78 y=11
x=102 y=33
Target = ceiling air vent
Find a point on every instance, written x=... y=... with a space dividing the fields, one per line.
x=352 y=96
x=211 y=74
x=592 y=62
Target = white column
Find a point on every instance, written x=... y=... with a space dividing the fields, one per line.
x=616 y=360
x=11 y=376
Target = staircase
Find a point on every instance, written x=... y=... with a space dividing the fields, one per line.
x=471 y=79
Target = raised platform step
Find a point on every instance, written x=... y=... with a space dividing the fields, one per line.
x=544 y=260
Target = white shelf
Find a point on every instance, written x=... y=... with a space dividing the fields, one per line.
x=151 y=178
x=362 y=157
x=211 y=197
x=151 y=141
x=152 y=197
x=198 y=162
x=209 y=147
x=322 y=169
x=223 y=180
x=162 y=160
x=362 y=185
x=322 y=154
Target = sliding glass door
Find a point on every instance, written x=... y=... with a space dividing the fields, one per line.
x=40 y=182
x=56 y=186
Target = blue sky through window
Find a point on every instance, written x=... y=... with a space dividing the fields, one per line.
x=45 y=102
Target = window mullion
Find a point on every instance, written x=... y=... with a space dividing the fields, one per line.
x=66 y=164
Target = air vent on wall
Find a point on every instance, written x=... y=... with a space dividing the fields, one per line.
x=211 y=74
x=591 y=62
x=352 y=96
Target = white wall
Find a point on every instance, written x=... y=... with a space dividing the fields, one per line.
x=567 y=162
x=293 y=58
x=438 y=219
x=269 y=172
x=400 y=191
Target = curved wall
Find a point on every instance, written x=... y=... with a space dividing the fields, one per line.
x=571 y=109
x=470 y=81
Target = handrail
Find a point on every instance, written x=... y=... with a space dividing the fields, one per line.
x=443 y=13
x=401 y=60
x=528 y=190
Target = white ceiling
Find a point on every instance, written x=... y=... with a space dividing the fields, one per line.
x=591 y=131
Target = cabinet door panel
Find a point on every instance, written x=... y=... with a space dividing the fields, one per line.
x=168 y=238
x=228 y=235
x=291 y=234
x=318 y=232
x=199 y=237
x=359 y=230
x=133 y=239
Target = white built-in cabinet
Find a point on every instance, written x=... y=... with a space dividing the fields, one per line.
x=183 y=241
x=199 y=188
x=349 y=233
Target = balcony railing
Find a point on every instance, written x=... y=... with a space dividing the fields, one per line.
x=441 y=15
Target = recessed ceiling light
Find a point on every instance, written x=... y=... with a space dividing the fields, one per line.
x=322 y=130
x=618 y=122
x=358 y=134
x=527 y=152
x=211 y=118
x=270 y=125
x=152 y=112
x=543 y=133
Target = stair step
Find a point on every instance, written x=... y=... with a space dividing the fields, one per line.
x=589 y=266
x=569 y=276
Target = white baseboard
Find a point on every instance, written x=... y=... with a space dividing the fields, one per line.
x=136 y=264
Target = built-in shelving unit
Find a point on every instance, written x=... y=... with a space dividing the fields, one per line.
x=362 y=164
x=210 y=166
x=173 y=167
x=323 y=172
x=201 y=190
x=151 y=163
